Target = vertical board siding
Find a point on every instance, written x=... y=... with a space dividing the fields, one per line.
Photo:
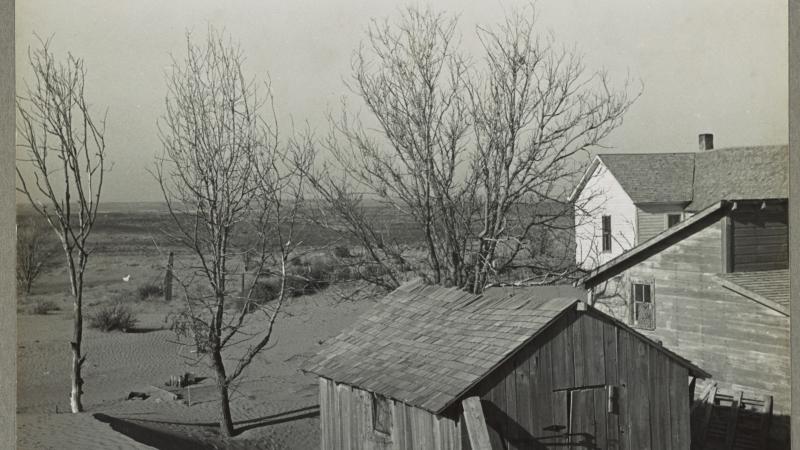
x=346 y=423
x=531 y=394
x=760 y=239
x=735 y=339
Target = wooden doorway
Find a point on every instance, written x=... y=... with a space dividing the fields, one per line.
x=593 y=418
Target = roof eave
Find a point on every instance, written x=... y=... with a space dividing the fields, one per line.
x=510 y=355
x=741 y=290
x=589 y=280
x=584 y=179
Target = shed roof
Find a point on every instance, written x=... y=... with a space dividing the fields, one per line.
x=769 y=287
x=427 y=345
x=740 y=173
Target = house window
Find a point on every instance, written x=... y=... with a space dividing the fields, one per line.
x=673 y=219
x=381 y=414
x=643 y=307
x=606 y=233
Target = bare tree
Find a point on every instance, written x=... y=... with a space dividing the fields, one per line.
x=222 y=173
x=33 y=251
x=413 y=82
x=536 y=114
x=64 y=145
x=481 y=158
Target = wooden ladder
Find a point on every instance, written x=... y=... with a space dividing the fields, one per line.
x=730 y=421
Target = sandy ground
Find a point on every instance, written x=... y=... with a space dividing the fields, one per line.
x=275 y=405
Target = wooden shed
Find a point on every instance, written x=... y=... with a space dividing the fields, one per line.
x=533 y=370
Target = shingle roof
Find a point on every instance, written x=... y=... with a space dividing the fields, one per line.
x=427 y=345
x=740 y=173
x=772 y=285
x=653 y=177
x=699 y=178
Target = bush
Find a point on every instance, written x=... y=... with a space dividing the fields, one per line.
x=342 y=252
x=265 y=291
x=113 y=317
x=44 y=307
x=147 y=291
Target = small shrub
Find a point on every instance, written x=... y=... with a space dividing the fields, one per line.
x=44 y=307
x=113 y=317
x=266 y=290
x=151 y=290
x=342 y=252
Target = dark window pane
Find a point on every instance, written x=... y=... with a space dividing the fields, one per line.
x=673 y=219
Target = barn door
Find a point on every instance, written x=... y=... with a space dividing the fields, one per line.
x=592 y=418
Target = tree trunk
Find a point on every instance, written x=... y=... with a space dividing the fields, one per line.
x=77 y=360
x=225 y=419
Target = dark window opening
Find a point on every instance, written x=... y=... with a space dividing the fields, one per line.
x=673 y=219
x=643 y=308
x=381 y=414
x=606 y=233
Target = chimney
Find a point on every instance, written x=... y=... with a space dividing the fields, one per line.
x=706 y=141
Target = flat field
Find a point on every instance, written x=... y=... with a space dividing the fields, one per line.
x=274 y=406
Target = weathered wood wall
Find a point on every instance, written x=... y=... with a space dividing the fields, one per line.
x=525 y=400
x=760 y=238
x=652 y=219
x=737 y=340
x=346 y=422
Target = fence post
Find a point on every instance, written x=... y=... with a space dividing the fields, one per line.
x=168 y=279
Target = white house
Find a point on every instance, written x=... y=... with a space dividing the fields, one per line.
x=623 y=200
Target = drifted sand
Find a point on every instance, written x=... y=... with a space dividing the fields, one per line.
x=275 y=405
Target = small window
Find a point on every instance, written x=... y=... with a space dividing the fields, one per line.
x=643 y=308
x=381 y=414
x=606 y=233
x=673 y=219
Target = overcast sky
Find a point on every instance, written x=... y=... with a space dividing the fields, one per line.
x=707 y=65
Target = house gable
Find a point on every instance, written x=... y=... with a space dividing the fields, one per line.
x=602 y=195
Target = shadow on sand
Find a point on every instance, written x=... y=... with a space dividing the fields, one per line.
x=156 y=433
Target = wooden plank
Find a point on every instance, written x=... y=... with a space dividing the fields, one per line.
x=511 y=419
x=601 y=415
x=611 y=362
x=399 y=426
x=623 y=369
x=730 y=434
x=702 y=432
x=346 y=415
x=336 y=442
x=580 y=352
x=679 y=406
x=597 y=357
x=524 y=395
x=562 y=351
x=324 y=413
x=541 y=371
x=659 y=387
x=409 y=425
x=357 y=419
x=425 y=422
x=476 y=424
x=560 y=426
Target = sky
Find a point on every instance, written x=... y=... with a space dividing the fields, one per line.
x=705 y=65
